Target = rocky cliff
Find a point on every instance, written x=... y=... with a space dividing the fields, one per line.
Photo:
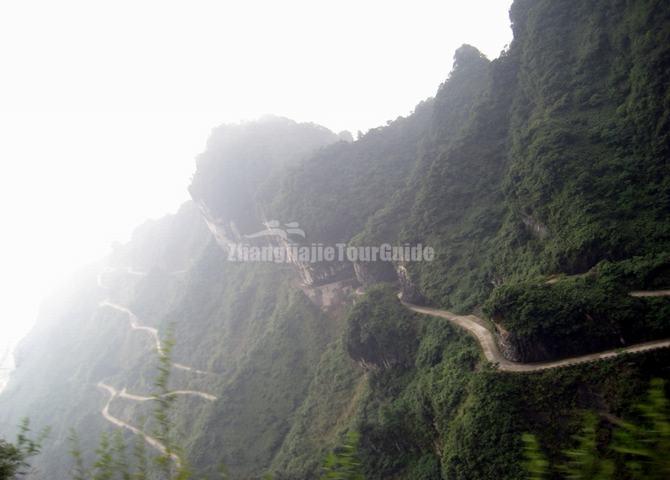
x=549 y=160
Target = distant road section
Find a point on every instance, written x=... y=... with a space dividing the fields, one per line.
x=6 y=366
x=140 y=398
x=153 y=333
x=113 y=393
x=650 y=293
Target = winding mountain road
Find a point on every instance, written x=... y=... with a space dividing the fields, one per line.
x=139 y=398
x=476 y=327
x=153 y=442
x=153 y=333
x=113 y=393
x=471 y=323
x=650 y=293
x=134 y=324
x=126 y=270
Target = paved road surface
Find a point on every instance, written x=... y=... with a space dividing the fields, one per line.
x=113 y=393
x=475 y=326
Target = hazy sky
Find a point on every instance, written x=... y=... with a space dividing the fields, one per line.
x=104 y=105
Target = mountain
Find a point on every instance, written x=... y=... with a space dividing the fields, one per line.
x=540 y=180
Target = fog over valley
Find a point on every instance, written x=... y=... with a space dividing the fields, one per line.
x=357 y=241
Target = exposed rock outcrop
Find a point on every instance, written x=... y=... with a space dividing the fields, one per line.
x=409 y=292
x=536 y=228
x=506 y=343
x=369 y=273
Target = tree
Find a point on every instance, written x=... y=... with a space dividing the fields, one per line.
x=646 y=447
x=640 y=451
x=584 y=461
x=111 y=459
x=381 y=332
x=14 y=457
x=536 y=462
x=344 y=464
x=170 y=462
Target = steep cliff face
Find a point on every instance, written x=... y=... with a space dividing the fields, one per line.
x=537 y=162
x=550 y=159
x=241 y=172
x=78 y=342
x=244 y=333
x=241 y=159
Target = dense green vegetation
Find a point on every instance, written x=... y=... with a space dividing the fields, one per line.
x=549 y=162
x=638 y=273
x=334 y=192
x=379 y=333
x=550 y=159
x=333 y=398
x=611 y=448
x=15 y=457
x=450 y=415
x=114 y=458
x=344 y=463
x=586 y=313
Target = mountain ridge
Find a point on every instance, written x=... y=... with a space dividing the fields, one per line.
x=549 y=160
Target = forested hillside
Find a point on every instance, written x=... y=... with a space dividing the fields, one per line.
x=540 y=178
